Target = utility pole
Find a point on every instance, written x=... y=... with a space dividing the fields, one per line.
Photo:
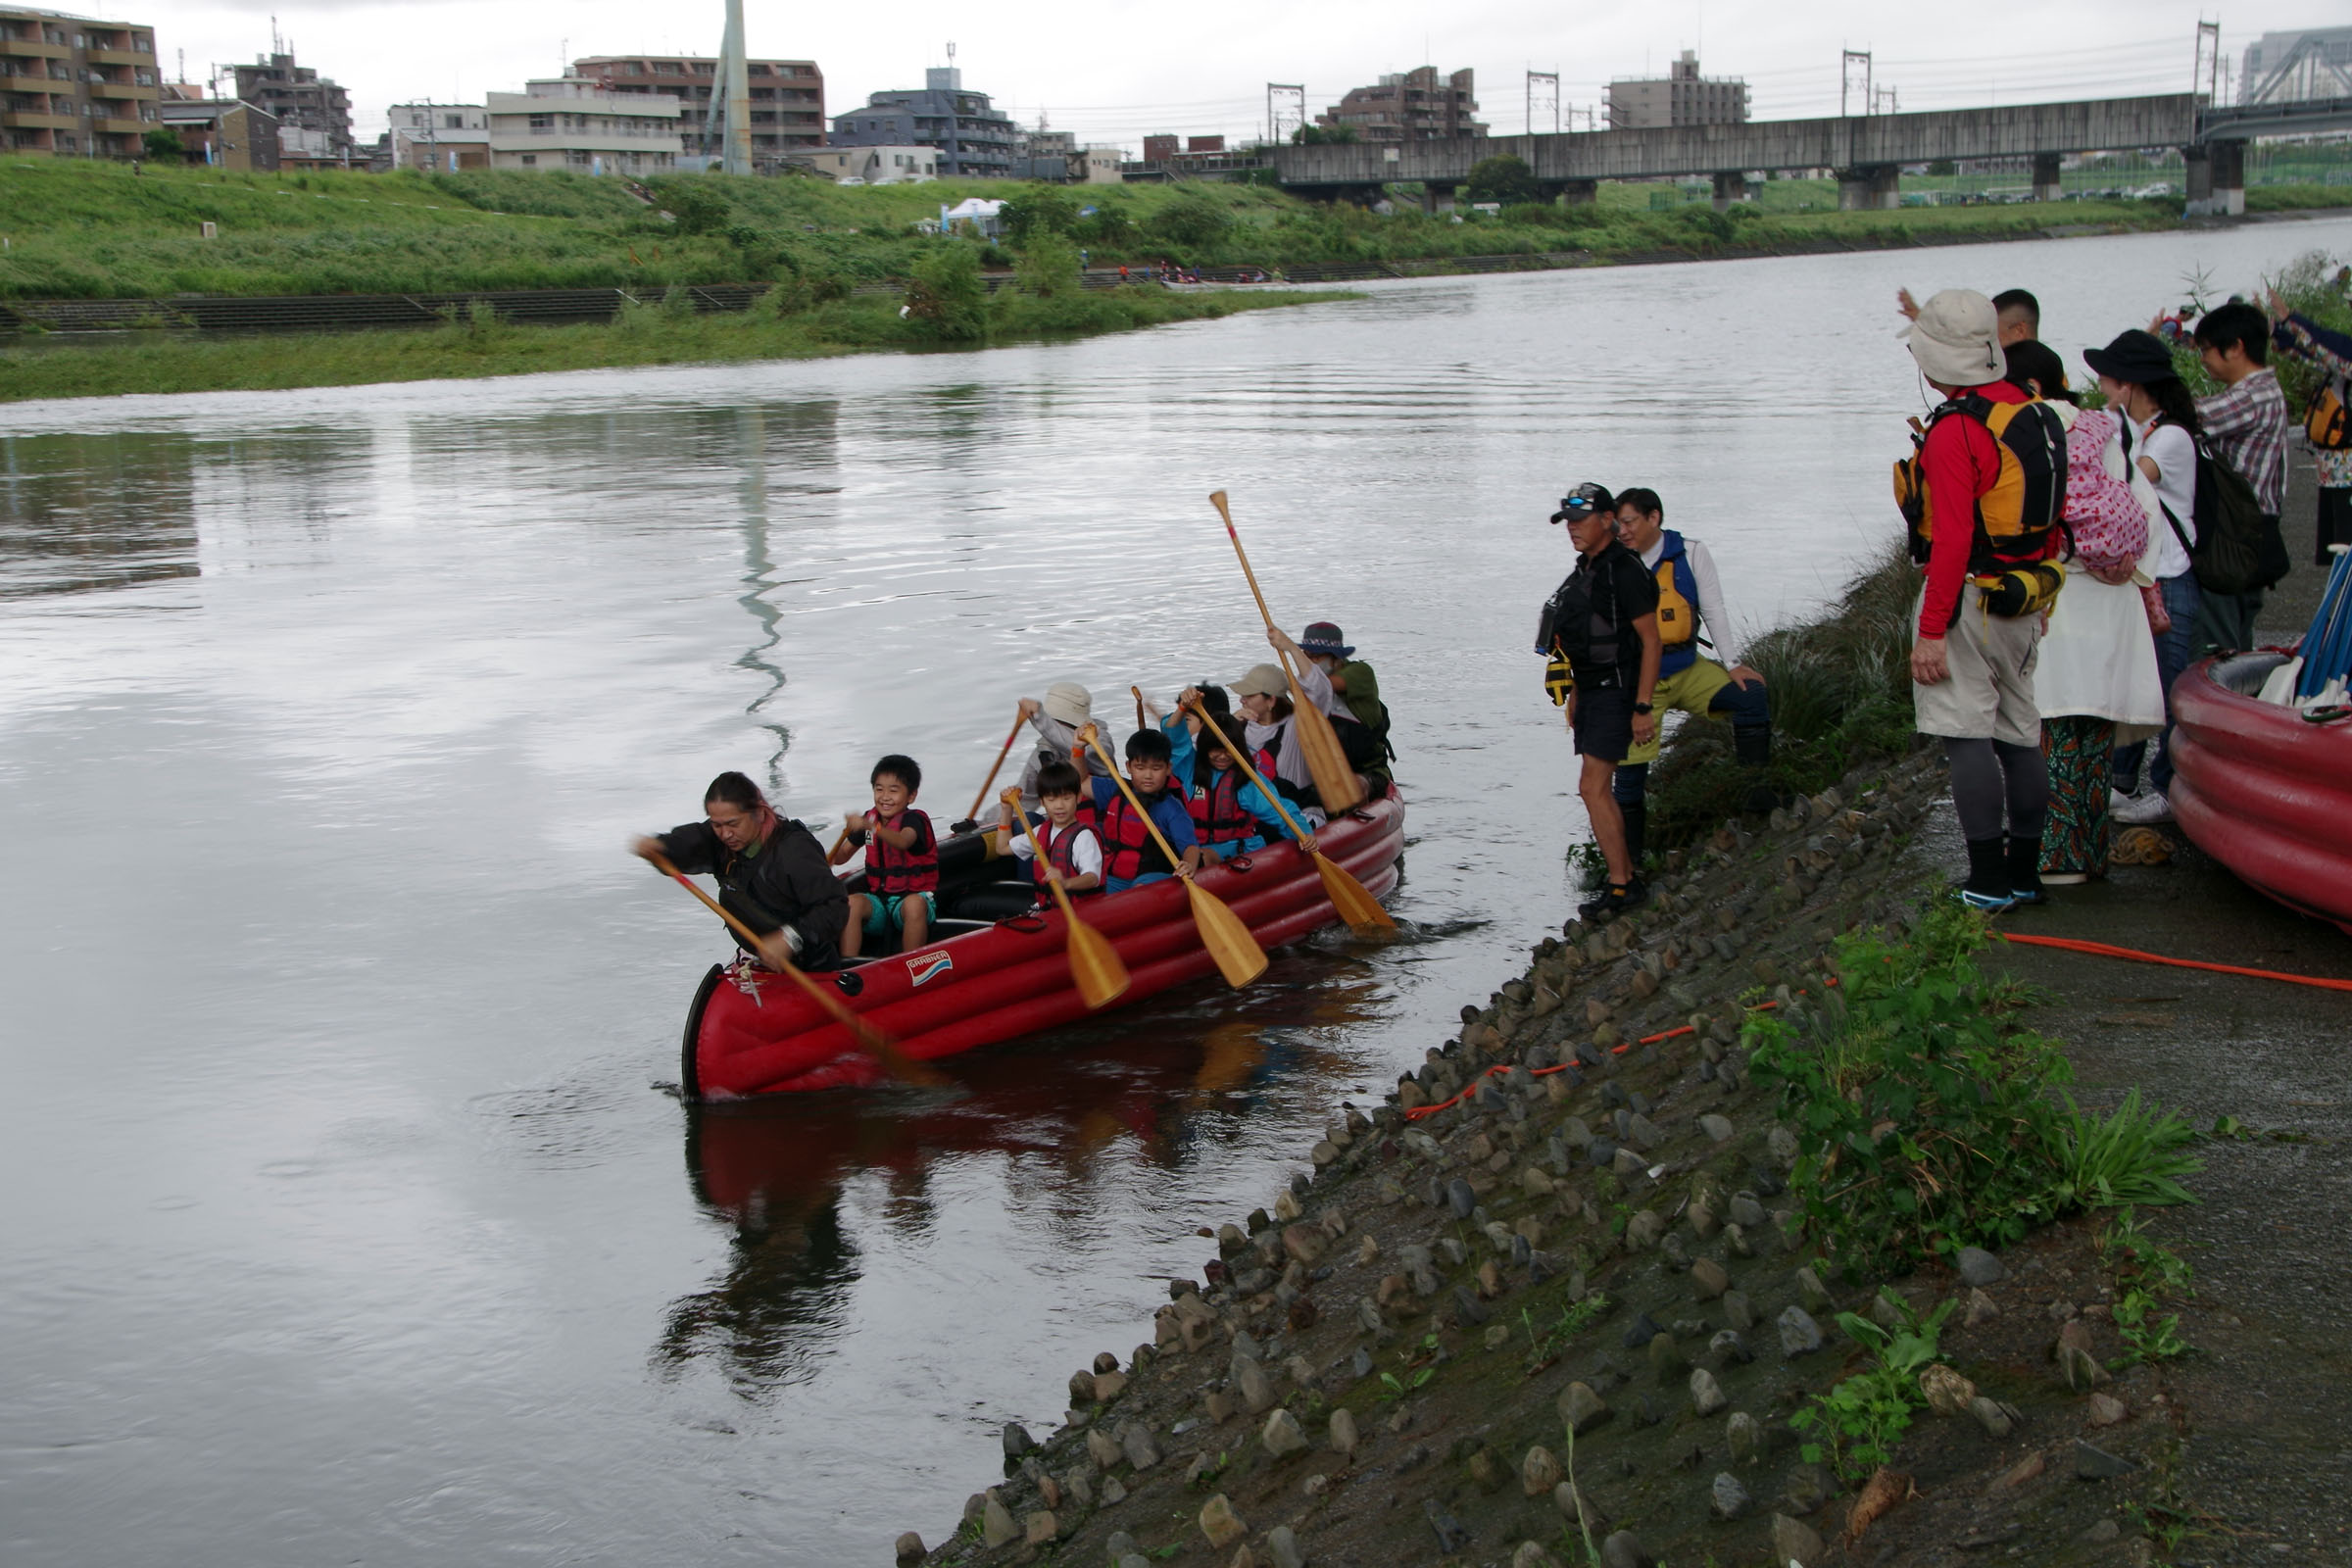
x=1544 y=87
x=1847 y=64
x=2206 y=76
x=1286 y=105
x=731 y=104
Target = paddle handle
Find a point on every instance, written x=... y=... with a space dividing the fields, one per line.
x=1002 y=751
x=1217 y=500
x=1273 y=796
x=1139 y=706
x=1094 y=739
x=1061 y=895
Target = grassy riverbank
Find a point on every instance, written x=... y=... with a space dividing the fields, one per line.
x=87 y=230
x=483 y=344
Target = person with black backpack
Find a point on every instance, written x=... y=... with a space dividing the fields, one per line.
x=2160 y=438
x=2245 y=423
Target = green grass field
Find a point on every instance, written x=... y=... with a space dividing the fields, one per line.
x=61 y=366
x=89 y=229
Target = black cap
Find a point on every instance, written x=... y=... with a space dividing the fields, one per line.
x=2136 y=357
x=1583 y=501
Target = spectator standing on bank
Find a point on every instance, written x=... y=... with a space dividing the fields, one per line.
x=2246 y=422
x=1972 y=660
x=1602 y=624
x=2331 y=352
x=2094 y=674
x=2160 y=438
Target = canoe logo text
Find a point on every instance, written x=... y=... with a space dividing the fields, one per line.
x=924 y=965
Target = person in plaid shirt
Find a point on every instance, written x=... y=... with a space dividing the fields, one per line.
x=2331 y=351
x=2247 y=424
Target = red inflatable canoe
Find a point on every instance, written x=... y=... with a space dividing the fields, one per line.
x=2262 y=789
x=752 y=1032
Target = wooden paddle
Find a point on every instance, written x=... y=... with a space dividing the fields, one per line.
x=1002 y=751
x=1094 y=964
x=1318 y=743
x=1239 y=956
x=1351 y=899
x=873 y=1041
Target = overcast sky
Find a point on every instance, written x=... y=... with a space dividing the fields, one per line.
x=1114 y=73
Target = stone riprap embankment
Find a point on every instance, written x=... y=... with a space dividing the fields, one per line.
x=1576 y=1299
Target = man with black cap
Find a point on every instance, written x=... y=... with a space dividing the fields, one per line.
x=1604 y=623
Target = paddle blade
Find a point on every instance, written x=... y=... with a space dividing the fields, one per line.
x=1239 y=956
x=1353 y=900
x=1326 y=760
x=1094 y=965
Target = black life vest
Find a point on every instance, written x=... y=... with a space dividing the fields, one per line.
x=1218 y=816
x=1584 y=626
x=891 y=872
x=1129 y=849
x=1062 y=847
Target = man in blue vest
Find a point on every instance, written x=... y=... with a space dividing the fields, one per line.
x=1691 y=615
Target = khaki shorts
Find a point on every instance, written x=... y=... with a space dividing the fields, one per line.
x=1687 y=690
x=1989 y=693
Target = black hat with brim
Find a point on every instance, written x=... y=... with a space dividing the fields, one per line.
x=2135 y=356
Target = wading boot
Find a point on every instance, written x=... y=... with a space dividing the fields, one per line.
x=2025 y=871
x=1987 y=884
x=1615 y=898
x=1752 y=746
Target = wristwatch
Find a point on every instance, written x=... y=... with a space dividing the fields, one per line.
x=1641 y=707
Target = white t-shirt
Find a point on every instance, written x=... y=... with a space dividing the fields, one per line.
x=1085 y=855
x=2175 y=453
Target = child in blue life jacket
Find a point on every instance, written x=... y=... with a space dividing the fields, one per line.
x=1131 y=857
x=1229 y=815
x=1073 y=849
x=902 y=861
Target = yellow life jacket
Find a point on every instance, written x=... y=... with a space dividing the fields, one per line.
x=2014 y=519
x=1677 y=618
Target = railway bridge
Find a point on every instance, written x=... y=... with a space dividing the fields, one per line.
x=1866 y=152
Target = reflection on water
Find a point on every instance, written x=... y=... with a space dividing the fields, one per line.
x=84 y=512
x=1051 y=1109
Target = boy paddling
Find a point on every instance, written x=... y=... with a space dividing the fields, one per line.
x=1073 y=849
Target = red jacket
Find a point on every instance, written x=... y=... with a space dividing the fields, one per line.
x=1960 y=462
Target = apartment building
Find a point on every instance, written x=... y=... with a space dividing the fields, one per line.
x=788 y=100
x=76 y=86
x=572 y=123
x=1680 y=97
x=440 y=138
x=313 y=112
x=1408 y=106
x=873 y=166
x=973 y=137
x=223 y=132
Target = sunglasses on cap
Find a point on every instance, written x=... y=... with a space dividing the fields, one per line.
x=1580 y=502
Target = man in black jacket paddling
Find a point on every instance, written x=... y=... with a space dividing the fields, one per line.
x=772 y=872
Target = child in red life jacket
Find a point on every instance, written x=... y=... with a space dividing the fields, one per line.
x=1073 y=849
x=1229 y=815
x=902 y=861
x=1131 y=858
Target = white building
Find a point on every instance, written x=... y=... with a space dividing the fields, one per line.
x=440 y=137
x=572 y=123
x=873 y=166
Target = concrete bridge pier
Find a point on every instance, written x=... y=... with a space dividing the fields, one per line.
x=1437 y=196
x=2046 y=184
x=1870 y=188
x=1730 y=185
x=2217 y=178
x=1580 y=192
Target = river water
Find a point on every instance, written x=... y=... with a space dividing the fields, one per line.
x=349 y=1214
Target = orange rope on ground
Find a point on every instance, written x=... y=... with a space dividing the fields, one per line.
x=1419 y=1112
x=2100 y=950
